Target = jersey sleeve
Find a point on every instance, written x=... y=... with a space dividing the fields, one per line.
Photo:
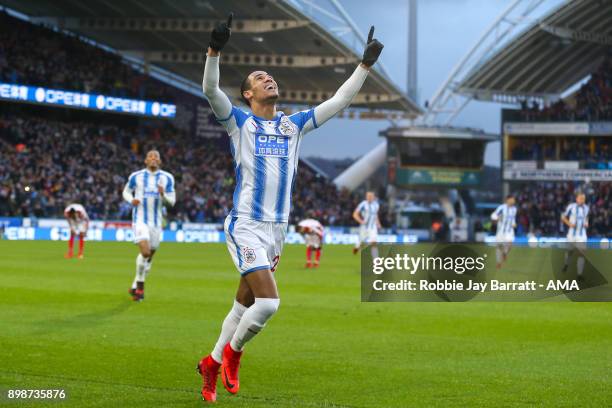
x=568 y=210
x=360 y=207
x=170 y=193
x=234 y=121
x=304 y=120
x=498 y=211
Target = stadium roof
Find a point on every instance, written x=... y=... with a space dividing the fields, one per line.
x=308 y=62
x=549 y=57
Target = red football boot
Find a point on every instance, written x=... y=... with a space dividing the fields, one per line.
x=229 y=368
x=138 y=295
x=209 y=370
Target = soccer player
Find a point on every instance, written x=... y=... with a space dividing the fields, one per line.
x=366 y=214
x=78 y=221
x=505 y=217
x=312 y=231
x=265 y=145
x=148 y=190
x=576 y=217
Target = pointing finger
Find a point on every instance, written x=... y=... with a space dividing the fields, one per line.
x=371 y=34
x=229 y=20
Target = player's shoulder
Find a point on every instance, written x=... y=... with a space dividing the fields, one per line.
x=300 y=118
x=167 y=174
x=239 y=115
x=136 y=173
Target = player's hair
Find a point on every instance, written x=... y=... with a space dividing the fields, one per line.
x=153 y=150
x=509 y=196
x=578 y=193
x=245 y=86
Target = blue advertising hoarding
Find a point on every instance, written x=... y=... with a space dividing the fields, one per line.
x=82 y=100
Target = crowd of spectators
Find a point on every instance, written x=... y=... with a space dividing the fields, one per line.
x=540 y=206
x=47 y=164
x=592 y=102
x=592 y=152
x=36 y=55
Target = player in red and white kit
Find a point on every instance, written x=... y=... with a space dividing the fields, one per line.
x=78 y=221
x=312 y=231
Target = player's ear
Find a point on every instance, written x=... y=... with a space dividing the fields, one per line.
x=248 y=95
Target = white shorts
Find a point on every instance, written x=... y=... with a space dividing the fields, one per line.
x=254 y=245
x=144 y=232
x=506 y=238
x=577 y=241
x=368 y=235
x=312 y=240
x=78 y=227
x=576 y=238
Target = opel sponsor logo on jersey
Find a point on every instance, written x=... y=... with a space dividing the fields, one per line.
x=287 y=127
x=271 y=145
x=249 y=255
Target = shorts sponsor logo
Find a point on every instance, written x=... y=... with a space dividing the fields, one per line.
x=249 y=255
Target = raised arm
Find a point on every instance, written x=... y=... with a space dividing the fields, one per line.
x=219 y=102
x=345 y=94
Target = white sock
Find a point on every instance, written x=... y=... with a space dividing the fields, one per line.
x=374 y=251
x=253 y=320
x=580 y=265
x=499 y=254
x=147 y=266
x=140 y=269
x=228 y=328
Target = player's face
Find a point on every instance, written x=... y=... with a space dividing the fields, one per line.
x=263 y=87
x=153 y=161
x=511 y=201
x=370 y=196
x=580 y=198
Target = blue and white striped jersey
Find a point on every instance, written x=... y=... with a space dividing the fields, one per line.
x=266 y=159
x=508 y=218
x=369 y=213
x=143 y=186
x=578 y=215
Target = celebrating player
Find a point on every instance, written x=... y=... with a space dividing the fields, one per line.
x=576 y=217
x=78 y=221
x=147 y=190
x=265 y=146
x=366 y=214
x=505 y=217
x=312 y=231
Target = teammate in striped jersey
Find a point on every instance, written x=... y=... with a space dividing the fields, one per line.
x=366 y=214
x=576 y=218
x=505 y=217
x=265 y=145
x=78 y=221
x=312 y=231
x=148 y=190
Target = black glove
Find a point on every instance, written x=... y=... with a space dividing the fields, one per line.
x=220 y=34
x=373 y=49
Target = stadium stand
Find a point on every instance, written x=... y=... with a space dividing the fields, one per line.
x=33 y=54
x=592 y=102
x=594 y=153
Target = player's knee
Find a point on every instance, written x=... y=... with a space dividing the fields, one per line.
x=146 y=253
x=267 y=306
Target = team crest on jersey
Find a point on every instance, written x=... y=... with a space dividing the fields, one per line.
x=287 y=127
x=249 y=255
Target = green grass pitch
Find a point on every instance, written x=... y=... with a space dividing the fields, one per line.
x=70 y=324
